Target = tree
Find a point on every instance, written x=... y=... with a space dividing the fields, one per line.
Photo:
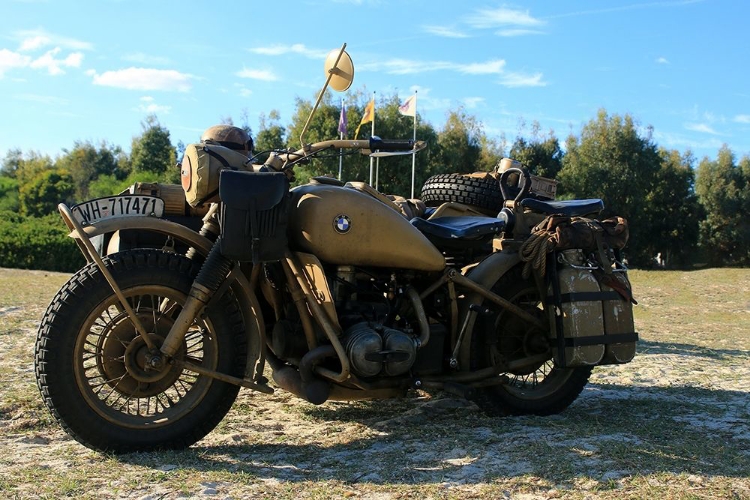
x=673 y=211
x=41 y=195
x=723 y=190
x=86 y=163
x=459 y=144
x=30 y=165
x=11 y=163
x=541 y=155
x=152 y=151
x=612 y=161
x=271 y=135
x=9 y=194
x=491 y=152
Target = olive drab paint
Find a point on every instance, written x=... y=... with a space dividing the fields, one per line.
x=376 y=234
x=618 y=319
x=589 y=308
x=583 y=318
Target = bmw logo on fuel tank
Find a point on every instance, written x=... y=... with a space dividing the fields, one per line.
x=342 y=224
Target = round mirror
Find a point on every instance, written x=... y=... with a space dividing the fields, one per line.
x=342 y=74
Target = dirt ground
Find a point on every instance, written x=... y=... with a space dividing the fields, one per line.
x=674 y=423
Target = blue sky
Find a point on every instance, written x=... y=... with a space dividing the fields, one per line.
x=93 y=70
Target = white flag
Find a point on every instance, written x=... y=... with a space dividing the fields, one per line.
x=409 y=107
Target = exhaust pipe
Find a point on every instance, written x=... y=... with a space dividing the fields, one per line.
x=303 y=383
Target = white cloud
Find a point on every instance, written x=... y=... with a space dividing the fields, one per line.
x=742 y=119
x=701 y=127
x=297 y=48
x=258 y=74
x=444 y=31
x=55 y=66
x=662 y=60
x=145 y=79
x=518 y=32
x=472 y=102
x=37 y=39
x=522 y=80
x=409 y=67
x=502 y=17
x=10 y=60
x=148 y=105
x=43 y=99
x=145 y=59
x=34 y=43
x=487 y=68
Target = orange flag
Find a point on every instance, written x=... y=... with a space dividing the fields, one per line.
x=367 y=117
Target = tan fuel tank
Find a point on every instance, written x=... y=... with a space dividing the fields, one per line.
x=341 y=225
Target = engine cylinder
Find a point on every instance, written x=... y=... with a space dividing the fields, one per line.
x=360 y=341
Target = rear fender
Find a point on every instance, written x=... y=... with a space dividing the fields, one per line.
x=486 y=274
x=246 y=298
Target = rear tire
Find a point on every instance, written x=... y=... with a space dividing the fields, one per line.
x=539 y=389
x=482 y=194
x=91 y=364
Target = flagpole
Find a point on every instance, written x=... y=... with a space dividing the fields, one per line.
x=372 y=133
x=414 y=154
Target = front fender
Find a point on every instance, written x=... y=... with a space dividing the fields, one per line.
x=153 y=224
x=246 y=298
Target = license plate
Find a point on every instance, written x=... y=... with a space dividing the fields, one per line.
x=103 y=208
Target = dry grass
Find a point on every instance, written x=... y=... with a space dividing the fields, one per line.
x=674 y=423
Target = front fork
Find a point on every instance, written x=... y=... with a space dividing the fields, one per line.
x=211 y=276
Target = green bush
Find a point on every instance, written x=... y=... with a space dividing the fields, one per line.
x=37 y=243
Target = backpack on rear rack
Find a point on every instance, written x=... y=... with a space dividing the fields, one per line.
x=200 y=169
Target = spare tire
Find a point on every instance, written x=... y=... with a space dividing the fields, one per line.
x=481 y=193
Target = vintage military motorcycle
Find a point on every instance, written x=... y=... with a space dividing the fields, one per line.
x=329 y=289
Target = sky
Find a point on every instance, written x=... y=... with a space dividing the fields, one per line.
x=89 y=70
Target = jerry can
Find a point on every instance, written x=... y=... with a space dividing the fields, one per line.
x=578 y=315
x=618 y=320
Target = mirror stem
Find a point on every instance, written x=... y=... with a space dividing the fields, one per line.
x=331 y=72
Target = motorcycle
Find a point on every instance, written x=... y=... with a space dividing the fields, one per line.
x=332 y=291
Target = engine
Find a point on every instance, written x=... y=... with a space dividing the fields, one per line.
x=366 y=302
x=381 y=331
x=372 y=349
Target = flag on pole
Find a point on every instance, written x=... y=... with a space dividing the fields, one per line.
x=342 y=121
x=409 y=107
x=367 y=117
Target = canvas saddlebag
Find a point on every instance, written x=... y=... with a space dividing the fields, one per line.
x=200 y=169
x=254 y=215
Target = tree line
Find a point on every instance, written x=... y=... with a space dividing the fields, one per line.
x=682 y=210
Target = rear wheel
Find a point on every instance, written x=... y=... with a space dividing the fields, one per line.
x=537 y=386
x=93 y=368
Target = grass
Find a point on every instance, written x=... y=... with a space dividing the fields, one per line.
x=672 y=424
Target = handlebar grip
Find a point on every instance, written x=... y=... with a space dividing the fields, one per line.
x=378 y=144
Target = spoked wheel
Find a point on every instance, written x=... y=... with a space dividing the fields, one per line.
x=537 y=386
x=98 y=376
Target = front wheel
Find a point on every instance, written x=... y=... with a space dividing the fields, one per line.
x=535 y=388
x=91 y=364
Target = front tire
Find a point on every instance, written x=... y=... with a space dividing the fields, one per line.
x=91 y=366
x=540 y=388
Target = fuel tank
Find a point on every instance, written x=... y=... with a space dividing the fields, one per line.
x=342 y=225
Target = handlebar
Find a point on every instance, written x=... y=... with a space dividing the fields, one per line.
x=283 y=161
x=378 y=144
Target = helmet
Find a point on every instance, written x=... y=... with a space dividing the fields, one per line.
x=229 y=136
